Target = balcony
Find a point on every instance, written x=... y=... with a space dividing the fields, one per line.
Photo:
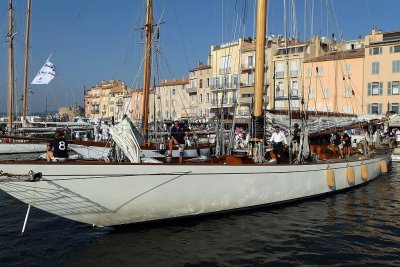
x=191 y=90
x=226 y=102
x=120 y=103
x=223 y=71
x=228 y=86
x=246 y=67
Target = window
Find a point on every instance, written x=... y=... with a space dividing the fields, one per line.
x=208 y=97
x=174 y=103
x=374 y=108
x=396 y=48
x=325 y=93
x=201 y=98
x=294 y=104
x=308 y=72
x=279 y=89
x=375 y=88
x=225 y=65
x=174 y=114
x=279 y=105
x=201 y=83
x=250 y=62
x=311 y=94
x=347 y=70
x=208 y=82
x=395 y=88
x=320 y=71
x=193 y=99
x=166 y=114
x=346 y=109
x=375 y=51
x=295 y=88
x=375 y=67
x=173 y=91
x=167 y=102
x=234 y=80
x=294 y=71
x=279 y=70
x=395 y=107
x=250 y=79
x=325 y=109
x=347 y=91
x=396 y=66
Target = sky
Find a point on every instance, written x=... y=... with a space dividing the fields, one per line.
x=94 y=40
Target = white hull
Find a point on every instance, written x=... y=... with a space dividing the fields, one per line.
x=17 y=148
x=116 y=194
x=92 y=152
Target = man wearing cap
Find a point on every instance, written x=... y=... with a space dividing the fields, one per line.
x=278 y=139
x=177 y=138
x=57 y=148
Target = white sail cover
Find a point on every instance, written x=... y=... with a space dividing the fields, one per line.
x=127 y=137
x=45 y=74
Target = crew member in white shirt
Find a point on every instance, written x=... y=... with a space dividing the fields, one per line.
x=278 y=140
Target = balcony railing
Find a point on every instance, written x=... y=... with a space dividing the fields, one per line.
x=279 y=74
x=226 y=86
x=191 y=90
x=223 y=71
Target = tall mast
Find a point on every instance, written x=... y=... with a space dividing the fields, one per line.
x=147 y=69
x=259 y=70
x=28 y=23
x=11 y=68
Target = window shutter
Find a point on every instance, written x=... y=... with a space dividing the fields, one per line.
x=369 y=108
x=380 y=88
x=369 y=88
x=380 y=108
x=380 y=50
x=389 y=88
x=391 y=49
x=370 y=51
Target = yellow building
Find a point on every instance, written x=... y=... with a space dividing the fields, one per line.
x=288 y=66
x=226 y=69
x=199 y=92
x=170 y=100
x=382 y=72
x=107 y=99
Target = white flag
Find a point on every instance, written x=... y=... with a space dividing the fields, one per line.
x=45 y=74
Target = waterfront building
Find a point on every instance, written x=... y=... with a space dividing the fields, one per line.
x=288 y=65
x=199 y=92
x=225 y=64
x=136 y=104
x=169 y=100
x=334 y=82
x=382 y=72
x=106 y=100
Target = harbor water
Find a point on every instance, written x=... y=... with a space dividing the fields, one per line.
x=358 y=227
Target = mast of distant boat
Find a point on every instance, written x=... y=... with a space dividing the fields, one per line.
x=28 y=21
x=11 y=67
x=147 y=69
x=258 y=115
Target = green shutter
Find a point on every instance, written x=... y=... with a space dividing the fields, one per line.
x=380 y=50
x=380 y=88
x=391 y=49
x=369 y=108
x=370 y=51
x=369 y=88
x=389 y=88
x=380 y=108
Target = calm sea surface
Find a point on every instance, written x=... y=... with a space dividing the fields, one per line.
x=355 y=228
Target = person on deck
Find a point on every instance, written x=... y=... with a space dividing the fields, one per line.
x=336 y=140
x=57 y=148
x=178 y=134
x=346 y=141
x=278 y=140
x=296 y=139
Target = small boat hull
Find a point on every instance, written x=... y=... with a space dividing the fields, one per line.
x=17 y=148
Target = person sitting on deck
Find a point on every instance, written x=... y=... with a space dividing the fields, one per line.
x=336 y=140
x=278 y=140
x=296 y=139
x=178 y=134
x=57 y=148
x=346 y=141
